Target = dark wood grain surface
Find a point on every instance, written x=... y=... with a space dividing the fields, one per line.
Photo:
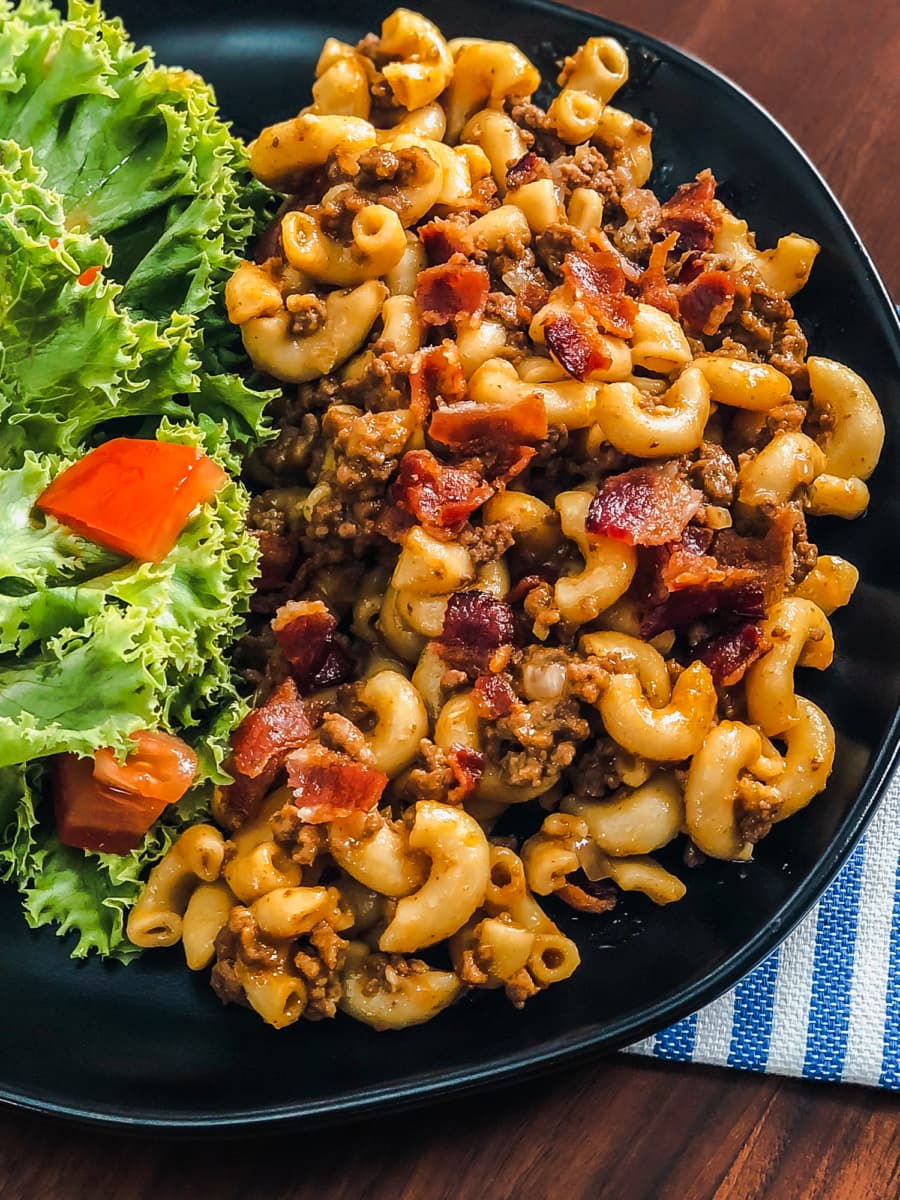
x=622 y=1129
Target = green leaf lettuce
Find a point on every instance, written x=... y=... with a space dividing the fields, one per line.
x=94 y=648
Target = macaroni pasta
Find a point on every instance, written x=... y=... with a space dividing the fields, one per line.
x=537 y=591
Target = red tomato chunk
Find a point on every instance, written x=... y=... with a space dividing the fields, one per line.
x=133 y=495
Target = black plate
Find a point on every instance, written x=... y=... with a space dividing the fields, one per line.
x=149 y=1045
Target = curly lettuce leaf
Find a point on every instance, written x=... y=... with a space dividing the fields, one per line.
x=133 y=645
x=94 y=647
x=127 y=168
x=125 y=204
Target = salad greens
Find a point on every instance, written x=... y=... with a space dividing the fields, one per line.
x=94 y=647
x=125 y=204
x=109 y=161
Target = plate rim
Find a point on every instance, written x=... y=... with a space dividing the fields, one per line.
x=584 y=1043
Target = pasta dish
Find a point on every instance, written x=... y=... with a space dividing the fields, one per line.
x=535 y=577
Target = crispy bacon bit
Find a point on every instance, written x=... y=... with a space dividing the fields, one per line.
x=707 y=301
x=435 y=372
x=598 y=281
x=689 y=583
x=730 y=654
x=442 y=239
x=529 y=168
x=304 y=629
x=450 y=291
x=648 y=506
x=575 y=346
x=730 y=595
x=470 y=425
x=691 y=268
x=435 y=494
x=475 y=625
x=270 y=732
x=769 y=558
x=510 y=462
x=467 y=766
x=336 y=668
x=690 y=213
x=494 y=696
x=392 y=523
x=530 y=298
x=328 y=785
x=600 y=241
x=259 y=747
x=277 y=559
x=655 y=287
x=604 y=899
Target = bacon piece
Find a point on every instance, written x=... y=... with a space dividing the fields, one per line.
x=691 y=268
x=328 y=785
x=647 y=506
x=690 y=213
x=601 y=900
x=729 y=654
x=475 y=625
x=575 y=346
x=531 y=297
x=451 y=291
x=270 y=732
x=529 y=168
x=304 y=629
x=655 y=287
x=769 y=558
x=598 y=281
x=494 y=696
x=469 y=425
x=707 y=300
x=336 y=668
x=392 y=523
x=442 y=239
x=437 y=495
x=689 y=583
x=435 y=372
x=467 y=766
x=735 y=594
x=510 y=462
x=600 y=241
x=259 y=747
x=277 y=559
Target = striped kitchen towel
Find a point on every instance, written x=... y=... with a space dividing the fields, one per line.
x=826 y=1003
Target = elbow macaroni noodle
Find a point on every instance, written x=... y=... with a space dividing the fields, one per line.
x=589 y=603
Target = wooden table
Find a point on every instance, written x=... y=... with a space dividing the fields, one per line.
x=620 y=1129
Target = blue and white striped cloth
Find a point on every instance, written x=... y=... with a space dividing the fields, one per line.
x=826 y=1003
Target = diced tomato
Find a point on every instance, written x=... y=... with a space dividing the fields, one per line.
x=133 y=495
x=106 y=806
x=161 y=767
